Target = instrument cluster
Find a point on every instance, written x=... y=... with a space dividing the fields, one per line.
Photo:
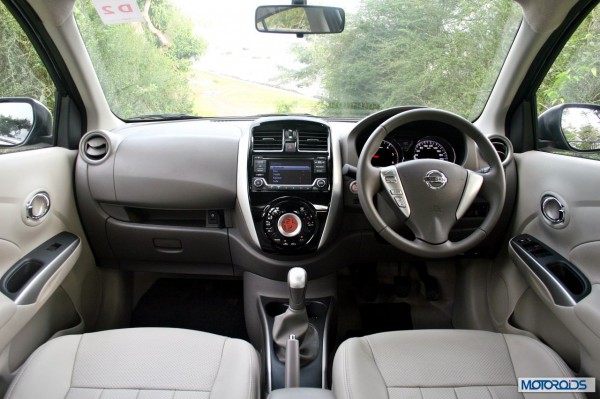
x=394 y=150
x=420 y=140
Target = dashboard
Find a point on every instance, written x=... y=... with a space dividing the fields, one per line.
x=224 y=197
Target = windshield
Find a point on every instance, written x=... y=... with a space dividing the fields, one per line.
x=206 y=58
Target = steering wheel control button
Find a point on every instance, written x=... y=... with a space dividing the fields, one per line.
x=400 y=201
x=435 y=179
x=395 y=192
x=390 y=176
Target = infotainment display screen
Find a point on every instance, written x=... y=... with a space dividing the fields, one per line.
x=284 y=171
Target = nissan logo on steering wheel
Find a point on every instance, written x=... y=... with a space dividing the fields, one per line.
x=435 y=179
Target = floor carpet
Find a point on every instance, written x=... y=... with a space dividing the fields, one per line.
x=215 y=306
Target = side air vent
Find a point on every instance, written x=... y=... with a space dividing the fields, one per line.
x=313 y=138
x=94 y=147
x=503 y=147
x=267 y=139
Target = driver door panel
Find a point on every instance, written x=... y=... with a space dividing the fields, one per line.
x=574 y=182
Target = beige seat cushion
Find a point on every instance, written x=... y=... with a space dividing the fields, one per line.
x=440 y=364
x=140 y=363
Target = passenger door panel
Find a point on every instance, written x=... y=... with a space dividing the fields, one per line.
x=23 y=174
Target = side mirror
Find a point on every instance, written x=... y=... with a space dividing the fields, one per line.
x=24 y=121
x=300 y=19
x=571 y=127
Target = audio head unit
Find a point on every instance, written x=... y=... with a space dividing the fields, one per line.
x=289 y=174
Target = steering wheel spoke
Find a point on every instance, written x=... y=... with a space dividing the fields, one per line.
x=393 y=191
x=472 y=187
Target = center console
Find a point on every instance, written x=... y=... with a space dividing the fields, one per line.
x=289 y=173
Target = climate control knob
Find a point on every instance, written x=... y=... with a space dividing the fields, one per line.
x=289 y=223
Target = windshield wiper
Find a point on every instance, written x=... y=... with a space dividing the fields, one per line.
x=160 y=117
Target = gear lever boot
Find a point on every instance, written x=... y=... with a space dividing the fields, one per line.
x=294 y=321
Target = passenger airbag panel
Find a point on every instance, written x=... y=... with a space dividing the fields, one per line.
x=179 y=171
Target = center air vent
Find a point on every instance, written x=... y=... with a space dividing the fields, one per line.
x=267 y=139
x=313 y=138
x=503 y=147
x=94 y=147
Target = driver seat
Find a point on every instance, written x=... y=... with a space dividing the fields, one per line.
x=440 y=364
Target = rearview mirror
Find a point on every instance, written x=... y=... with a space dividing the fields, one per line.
x=24 y=121
x=298 y=19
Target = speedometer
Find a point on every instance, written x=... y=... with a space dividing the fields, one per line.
x=434 y=148
x=387 y=154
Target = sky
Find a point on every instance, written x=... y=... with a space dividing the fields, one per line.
x=17 y=111
x=236 y=49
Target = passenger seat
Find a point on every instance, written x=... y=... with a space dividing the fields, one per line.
x=141 y=363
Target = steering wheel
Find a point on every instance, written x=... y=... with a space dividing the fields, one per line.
x=430 y=195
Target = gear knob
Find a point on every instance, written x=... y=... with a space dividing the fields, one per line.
x=297 y=286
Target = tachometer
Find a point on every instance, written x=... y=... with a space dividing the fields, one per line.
x=387 y=154
x=434 y=148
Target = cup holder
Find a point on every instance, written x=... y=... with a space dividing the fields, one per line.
x=314 y=309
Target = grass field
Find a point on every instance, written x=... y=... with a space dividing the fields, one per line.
x=217 y=95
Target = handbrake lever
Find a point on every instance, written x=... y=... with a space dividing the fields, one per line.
x=292 y=363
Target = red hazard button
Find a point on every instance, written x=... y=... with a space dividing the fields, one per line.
x=289 y=225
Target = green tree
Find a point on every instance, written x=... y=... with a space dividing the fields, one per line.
x=588 y=137
x=285 y=107
x=439 y=53
x=23 y=73
x=573 y=78
x=12 y=127
x=139 y=73
x=183 y=46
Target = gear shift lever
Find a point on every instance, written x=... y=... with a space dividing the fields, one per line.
x=297 y=285
x=294 y=321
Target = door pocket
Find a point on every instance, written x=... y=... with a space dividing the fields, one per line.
x=25 y=280
x=552 y=276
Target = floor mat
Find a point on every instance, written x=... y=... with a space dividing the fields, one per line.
x=215 y=306
x=380 y=317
